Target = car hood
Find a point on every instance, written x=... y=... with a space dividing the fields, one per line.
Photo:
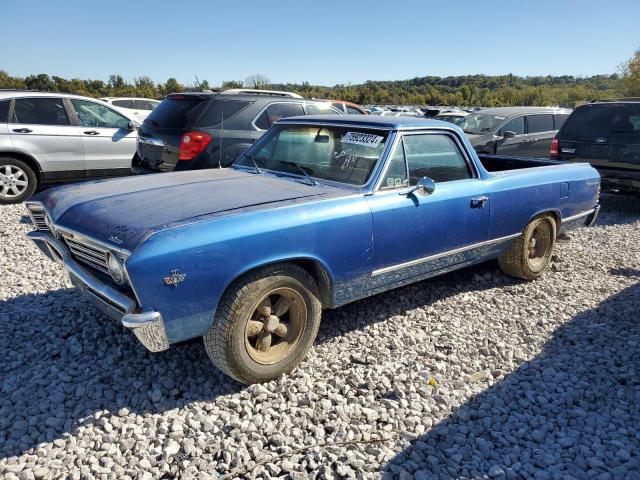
x=124 y=212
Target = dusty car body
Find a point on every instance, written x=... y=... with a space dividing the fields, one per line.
x=248 y=256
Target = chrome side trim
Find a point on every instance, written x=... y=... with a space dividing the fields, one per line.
x=579 y=215
x=443 y=254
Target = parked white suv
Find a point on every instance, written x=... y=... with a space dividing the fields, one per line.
x=138 y=108
x=55 y=137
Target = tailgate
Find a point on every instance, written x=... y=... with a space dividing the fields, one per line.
x=615 y=156
x=158 y=149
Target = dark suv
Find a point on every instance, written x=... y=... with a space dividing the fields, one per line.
x=607 y=135
x=189 y=131
x=515 y=131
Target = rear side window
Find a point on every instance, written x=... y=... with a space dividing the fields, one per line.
x=275 y=112
x=338 y=106
x=353 y=111
x=558 y=120
x=176 y=112
x=539 y=123
x=220 y=111
x=40 y=111
x=610 y=121
x=4 y=111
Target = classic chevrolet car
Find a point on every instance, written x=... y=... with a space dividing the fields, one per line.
x=321 y=211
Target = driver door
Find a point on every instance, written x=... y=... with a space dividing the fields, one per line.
x=109 y=143
x=416 y=234
x=515 y=146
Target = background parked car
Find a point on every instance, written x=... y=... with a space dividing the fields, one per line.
x=605 y=133
x=455 y=116
x=54 y=137
x=347 y=107
x=137 y=108
x=188 y=131
x=516 y=131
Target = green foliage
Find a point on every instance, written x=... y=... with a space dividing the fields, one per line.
x=631 y=76
x=471 y=90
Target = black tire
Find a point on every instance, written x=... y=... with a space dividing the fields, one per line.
x=229 y=341
x=11 y=188
x=531 y=253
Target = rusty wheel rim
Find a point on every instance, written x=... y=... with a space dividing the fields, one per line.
x=539 y=246
x=275 y=325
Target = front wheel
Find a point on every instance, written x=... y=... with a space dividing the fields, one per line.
x=530 y=255
x=17 y=181
x=265 y=324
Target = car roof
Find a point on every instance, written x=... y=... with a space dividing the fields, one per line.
x=29 y=93
x=513 y=111
x=129 y=98
x=393 y=123
x=248 y=97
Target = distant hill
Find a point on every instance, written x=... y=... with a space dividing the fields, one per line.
x=469 y=90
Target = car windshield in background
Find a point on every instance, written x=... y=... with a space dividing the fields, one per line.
x=604 y=120
x=457 y=120
x=176 y=112
x=340 y=154
x=480 y=123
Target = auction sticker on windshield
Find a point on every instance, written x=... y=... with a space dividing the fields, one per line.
x=358 y=138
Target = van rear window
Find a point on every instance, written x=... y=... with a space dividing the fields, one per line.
x=604 y=120
x=176 y=112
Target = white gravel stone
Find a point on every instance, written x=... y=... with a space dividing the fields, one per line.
x=470 y=375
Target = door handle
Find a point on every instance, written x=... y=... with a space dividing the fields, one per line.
x=479 y=202
x=92 y=132
x=22 y=130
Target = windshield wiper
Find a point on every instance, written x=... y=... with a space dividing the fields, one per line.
x=302 y=169
x=255 y=162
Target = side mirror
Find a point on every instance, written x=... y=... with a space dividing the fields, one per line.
x=508 y=134
x=133 y=125
x=425 y=186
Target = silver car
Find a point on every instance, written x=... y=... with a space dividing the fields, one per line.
x=55 y=137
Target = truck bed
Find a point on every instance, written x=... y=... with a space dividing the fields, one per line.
x=502 y=163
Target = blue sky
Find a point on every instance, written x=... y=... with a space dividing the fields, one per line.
x=322 y=42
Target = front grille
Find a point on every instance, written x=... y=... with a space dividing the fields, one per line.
x=86 y=252
x=37 y=217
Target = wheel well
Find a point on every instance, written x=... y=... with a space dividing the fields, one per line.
x=313 y=268
x=29 y=160
x=322 y=278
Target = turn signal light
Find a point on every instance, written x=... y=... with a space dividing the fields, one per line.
x=553 y=153
x=192 y=144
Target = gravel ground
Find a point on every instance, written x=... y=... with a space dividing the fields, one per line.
x=470 y=375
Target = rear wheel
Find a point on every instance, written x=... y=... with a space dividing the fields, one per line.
x=530 y=255
x=265 y=324
x=17 y=180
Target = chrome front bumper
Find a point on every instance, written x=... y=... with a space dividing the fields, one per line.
x=147 y=326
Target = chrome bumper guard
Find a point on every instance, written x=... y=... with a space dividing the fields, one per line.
x=147 y=326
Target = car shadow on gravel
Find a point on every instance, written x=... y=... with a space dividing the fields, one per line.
x=573 y=411
x=619 y=209
x=63 y=365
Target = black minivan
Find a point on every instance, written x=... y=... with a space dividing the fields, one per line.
x=190 y=131
x=605 y=133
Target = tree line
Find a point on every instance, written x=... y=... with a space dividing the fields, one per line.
x=467 y=90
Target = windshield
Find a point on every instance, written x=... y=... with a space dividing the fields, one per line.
x=455 y=119
x=480 y=123
x=340 y=154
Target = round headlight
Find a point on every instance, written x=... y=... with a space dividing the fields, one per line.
x=115 y=268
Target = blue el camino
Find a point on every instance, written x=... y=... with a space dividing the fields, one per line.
x=321 y=211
